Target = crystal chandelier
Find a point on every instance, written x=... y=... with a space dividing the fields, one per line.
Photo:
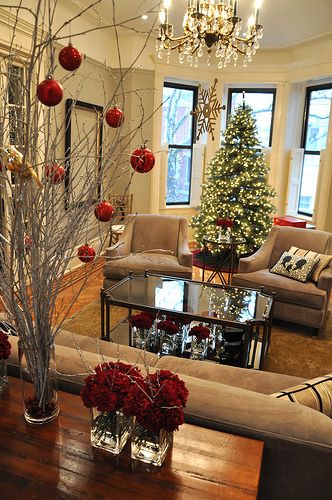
x=213 y=27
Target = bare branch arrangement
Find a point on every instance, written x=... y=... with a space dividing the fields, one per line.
x=39 y=232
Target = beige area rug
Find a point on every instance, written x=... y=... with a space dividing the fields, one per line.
x=293 y=350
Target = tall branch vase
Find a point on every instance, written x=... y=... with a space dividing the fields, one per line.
x=3 y=375
x=39 y=383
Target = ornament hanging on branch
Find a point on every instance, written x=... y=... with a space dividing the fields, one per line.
x=142 y=159
x=55 y=173
x=12 y=159
x=208 y=110
x=86 y=253
x=50 y=92
x=70 y=58
x=114 y=117
x=104 y=211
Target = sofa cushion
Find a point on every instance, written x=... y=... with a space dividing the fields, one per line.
x=138 y=263
x=315 y=393
x=252 y=380
x=324 y=260
x=287 y=290
x=296 y=267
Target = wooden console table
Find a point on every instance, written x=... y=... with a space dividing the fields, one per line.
x=56 y=461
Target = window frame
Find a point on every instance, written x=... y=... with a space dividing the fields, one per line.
x=194 y=89
x=305 y=122
x=253 y=90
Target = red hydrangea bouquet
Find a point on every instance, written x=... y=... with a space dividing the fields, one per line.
x=105 y=391
x=200 y=332
x=169 y=327
x=142 y=320
x=5 y=346
x=5 y=349
x=224 y=222
x=167 y=342
x=199 y=344
x=157 y=405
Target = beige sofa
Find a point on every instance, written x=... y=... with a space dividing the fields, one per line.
x=304 y=303
x=297 y=461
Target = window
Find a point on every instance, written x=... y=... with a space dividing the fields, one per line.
x=314 y=138
x=15 y=91
x=262 y=102
x=178 y=132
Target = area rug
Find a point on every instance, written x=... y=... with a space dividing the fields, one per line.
x=293 y=350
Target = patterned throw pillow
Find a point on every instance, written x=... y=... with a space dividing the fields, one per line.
x=324 y=260
x=296 y=267
x=315 y=393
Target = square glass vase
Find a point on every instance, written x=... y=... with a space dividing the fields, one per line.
x=150 y=447
x=110 y=430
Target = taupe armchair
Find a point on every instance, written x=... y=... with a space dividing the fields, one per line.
x=303 y=303
x=157 y=243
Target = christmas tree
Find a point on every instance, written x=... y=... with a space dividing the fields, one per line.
x=236 y=186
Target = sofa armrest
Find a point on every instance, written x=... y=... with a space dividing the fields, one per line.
x=185 y=256
x=261 y=258
x=325 y=279
x=115 y=250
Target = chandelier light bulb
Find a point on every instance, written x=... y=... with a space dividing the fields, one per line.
x=211 y=28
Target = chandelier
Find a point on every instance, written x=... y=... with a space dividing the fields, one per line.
x=213 y=27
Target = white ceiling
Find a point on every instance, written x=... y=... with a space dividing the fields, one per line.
x=285 y=22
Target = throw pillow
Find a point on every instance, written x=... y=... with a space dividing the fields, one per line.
x=296 y=267
x=315 y=393
x=324 y=260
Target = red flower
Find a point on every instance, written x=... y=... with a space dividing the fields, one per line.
x=142 y=320
x=5 y=346
x=108 y=387
x=201 y=332
x=168 y=327
x=158 y=402
x=224 y=222
x=178 y=319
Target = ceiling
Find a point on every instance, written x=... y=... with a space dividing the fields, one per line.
x=285 y=22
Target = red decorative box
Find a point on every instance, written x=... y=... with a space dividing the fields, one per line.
x=287 y=220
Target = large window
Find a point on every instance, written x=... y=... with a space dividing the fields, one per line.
x=262 y=102
x=178 y=133
x=314 y=137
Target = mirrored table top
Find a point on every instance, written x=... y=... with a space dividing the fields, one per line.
x=194 y=299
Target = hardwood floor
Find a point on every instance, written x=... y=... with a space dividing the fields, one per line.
x=91 y=289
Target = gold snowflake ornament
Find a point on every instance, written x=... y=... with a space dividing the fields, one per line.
x=208 y=109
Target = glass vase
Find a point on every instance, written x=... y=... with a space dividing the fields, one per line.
x=224 y=234
x=150 y=447
x=140 y=337
x=110 y=431
x=199 y=348
x=167 y=344
x=39 y=383
x=3 y=375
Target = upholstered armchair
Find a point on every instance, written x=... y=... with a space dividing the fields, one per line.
x=304 y=303
x=157 y=243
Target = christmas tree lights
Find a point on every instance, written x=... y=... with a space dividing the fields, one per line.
x=237 y=187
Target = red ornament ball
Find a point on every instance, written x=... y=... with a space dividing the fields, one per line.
x=86 y=253
x=142 y=160
x=104 y=211
x=70 y=58
x=114 y=117
x=55 y=173
x=50 y=92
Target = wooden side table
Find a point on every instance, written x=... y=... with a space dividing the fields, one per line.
x=57 y=461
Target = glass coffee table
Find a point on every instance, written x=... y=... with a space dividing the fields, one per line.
x=227 y=309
